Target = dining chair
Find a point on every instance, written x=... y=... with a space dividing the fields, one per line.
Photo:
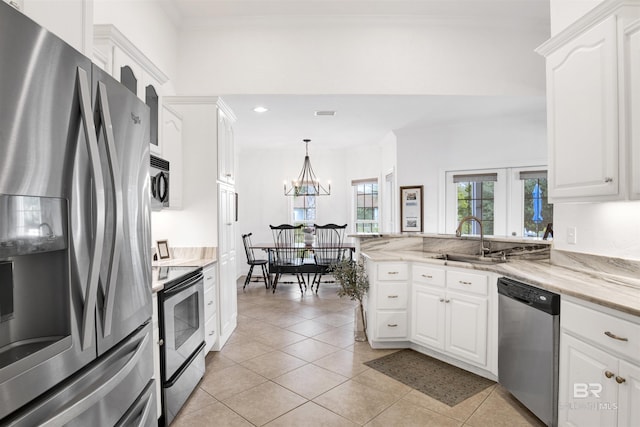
x=288 y=258
x=252 y=261
x=328 y=249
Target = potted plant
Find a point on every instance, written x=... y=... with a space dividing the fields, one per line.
x=354 y=283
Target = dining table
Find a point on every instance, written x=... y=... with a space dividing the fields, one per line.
x=309 y=266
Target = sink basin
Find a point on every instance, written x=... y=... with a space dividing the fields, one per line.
x=476 y=259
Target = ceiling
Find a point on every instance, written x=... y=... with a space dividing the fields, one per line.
x=359 y=119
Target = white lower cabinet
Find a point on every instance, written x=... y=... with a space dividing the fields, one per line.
x=599 y=373
x=445 y=318
x=210 y=307
x=427 y=306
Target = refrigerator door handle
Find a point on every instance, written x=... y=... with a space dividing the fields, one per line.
x=103 y=386
x=88 y=317
x=116 y=181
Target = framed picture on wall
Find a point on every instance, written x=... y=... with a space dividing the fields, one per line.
x=411 y=208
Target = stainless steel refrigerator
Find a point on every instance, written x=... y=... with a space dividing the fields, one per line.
x=75 y=263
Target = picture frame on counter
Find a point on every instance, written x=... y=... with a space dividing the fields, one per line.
x=411 y=208
x=163 y=249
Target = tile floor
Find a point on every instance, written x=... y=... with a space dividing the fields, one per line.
x=292 y=361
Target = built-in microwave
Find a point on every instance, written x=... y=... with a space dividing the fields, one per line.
x=159 y=174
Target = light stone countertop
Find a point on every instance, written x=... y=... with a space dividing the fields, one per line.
x=186 y=257
x=616 y=292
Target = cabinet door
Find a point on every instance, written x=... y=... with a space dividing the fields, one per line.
x=466 y=327
x=223 y=169
x=633 y=114
x=132 y=78
x=172 y=151
x=227 y=263
x=582 y=92
x=586 y=396
x=629 y=395
x=427 y=319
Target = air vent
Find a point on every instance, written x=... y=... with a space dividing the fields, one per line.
x=159 y=163
x=325 y=113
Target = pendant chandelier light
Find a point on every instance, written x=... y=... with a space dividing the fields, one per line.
x=307 y=183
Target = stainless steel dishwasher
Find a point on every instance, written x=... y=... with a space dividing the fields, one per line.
x=529 y=330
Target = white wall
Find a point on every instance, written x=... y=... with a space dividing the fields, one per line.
x=505 y=141
x=565 y=12
x=71 y=20
x=610 y=229
x=384 y=55
x=261 y=199
x=147 y=25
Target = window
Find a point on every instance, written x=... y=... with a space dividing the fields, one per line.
x=537 y=212
x=475 y=197
x=366 y=205
x=304 y=207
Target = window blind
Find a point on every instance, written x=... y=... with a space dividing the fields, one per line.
x=533 y=175
x=476 y=177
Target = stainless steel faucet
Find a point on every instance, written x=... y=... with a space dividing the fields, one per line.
x=483 y=250
x=45 y=225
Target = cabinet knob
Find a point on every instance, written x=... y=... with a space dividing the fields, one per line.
x=608 y=179
x=447 y=301
x=160 y=342
x=615 y=337
x=608 y=374
x=441 y=299
x=227 y=175
x=620 y=380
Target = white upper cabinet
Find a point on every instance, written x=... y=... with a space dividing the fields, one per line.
x=632 y=37
x=226 y=145
x=590 y=106
x=118 y=56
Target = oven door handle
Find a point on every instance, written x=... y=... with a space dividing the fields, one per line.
x=182 y=286
x=89 y=128
x=110 y=282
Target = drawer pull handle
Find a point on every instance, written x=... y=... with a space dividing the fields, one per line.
x=395 y=325
x=608 y=179
x=608 y=374
x=615 y=337
x=209 y=277
x=210 y=303
x=392 y=272
x=620 y=380
x=428 y=276
x=447 y=301
x=392 y=296
x=212 y=332
x=441 y=299
x=462 y=282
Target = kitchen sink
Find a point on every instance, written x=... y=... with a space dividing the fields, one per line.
x=476 y=259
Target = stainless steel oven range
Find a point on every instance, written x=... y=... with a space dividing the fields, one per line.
x=181 y=316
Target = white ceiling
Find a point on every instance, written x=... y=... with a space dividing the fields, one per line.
x=359 y=119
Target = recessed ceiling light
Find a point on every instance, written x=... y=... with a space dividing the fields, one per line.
x=325 y=113
x=260 y=109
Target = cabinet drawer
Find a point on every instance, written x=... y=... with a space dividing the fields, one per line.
x=210 y=333
x=428 y=275
x=392 y=324
x=610 y=332
x=392 y=295
x=393 y=271
x=209 y=278
x=468 y=282
x=209 y=304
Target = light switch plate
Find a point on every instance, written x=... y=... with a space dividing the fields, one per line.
x=572 y=235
